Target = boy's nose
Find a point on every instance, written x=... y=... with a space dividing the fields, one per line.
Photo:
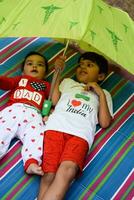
x=83 y=66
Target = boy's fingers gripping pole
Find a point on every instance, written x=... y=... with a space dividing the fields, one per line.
x=48 y=103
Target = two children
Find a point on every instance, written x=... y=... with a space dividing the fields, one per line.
x=71 y=127
x=22 y=117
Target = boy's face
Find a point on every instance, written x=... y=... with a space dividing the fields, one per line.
x=88 y=71
x=35 y=66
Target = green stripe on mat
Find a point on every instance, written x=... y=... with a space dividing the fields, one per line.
x=14 y=186
x=22 y=188
x=3 y=102
x=11 y=158
x=109 y=173
x=96 y=142
x=129 y=189
x=15 y=47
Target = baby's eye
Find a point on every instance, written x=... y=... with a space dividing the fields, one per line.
x=29 y=63
x=40 y=64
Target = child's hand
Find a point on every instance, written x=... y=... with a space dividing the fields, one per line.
x=93 y=86
x=45 y=119
x=60 y=63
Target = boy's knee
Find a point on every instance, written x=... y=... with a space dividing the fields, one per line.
x=48 y=177
x=69 y=169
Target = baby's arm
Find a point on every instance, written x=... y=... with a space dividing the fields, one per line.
x=8 y=83
x=104 y=116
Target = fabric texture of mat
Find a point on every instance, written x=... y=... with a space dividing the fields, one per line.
x=108 y=172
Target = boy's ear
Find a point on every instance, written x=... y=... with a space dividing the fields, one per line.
x=101 y=77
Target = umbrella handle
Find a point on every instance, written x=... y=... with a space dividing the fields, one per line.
x=48 y=103
x=65 y=49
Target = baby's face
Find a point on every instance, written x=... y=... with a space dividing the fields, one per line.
x=35 y=66
x=87 y=71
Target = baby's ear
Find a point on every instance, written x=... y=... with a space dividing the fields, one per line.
x=101 y=77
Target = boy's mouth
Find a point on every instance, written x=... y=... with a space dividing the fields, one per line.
x=83 y=72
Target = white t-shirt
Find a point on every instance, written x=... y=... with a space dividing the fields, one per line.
x=76 y=113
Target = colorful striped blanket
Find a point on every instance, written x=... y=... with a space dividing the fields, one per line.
x=108 y=172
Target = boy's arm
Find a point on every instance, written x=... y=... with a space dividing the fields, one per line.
x=104 y=116
x=59 y=65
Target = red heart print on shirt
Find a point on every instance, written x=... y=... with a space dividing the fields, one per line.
x=25 y=121
x=33 y=140
x=8 y=129
x=76 y=103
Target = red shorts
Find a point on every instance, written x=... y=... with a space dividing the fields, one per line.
x=59 y=147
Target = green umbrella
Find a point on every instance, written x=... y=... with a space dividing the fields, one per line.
x=93 y=24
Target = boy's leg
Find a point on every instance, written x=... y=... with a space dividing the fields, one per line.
x=64 y=176
x=46 y=181
x=53 y=148
x=72 y=160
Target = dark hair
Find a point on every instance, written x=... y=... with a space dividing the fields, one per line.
x=35 y=53
x=96 y=58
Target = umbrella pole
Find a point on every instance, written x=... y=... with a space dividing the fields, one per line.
x=65 y=49
x=48 y=103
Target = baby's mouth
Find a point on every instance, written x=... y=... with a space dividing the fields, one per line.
x=34 y=71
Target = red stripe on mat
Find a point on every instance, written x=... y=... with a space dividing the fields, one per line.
x=108 y=169
x=10 y=53
x=124 y=188
x=16 y=189
x=110 y=133
x=13 y=161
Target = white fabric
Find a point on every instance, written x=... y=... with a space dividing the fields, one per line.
x=76 y=116
x=24 y=122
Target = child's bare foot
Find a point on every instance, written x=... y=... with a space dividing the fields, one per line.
x=34 y=169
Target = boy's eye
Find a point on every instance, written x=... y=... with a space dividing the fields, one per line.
x=86 y=65
x=90 y=65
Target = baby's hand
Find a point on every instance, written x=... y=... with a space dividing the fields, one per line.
x=45 y=119
x=93 y=86
x=60 y=63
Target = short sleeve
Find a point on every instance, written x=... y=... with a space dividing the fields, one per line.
x=64 y=85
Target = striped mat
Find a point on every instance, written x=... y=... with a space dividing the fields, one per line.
x=108 y=172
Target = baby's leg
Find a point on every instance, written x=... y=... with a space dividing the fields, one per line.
x=32 y=148
x=7 y=129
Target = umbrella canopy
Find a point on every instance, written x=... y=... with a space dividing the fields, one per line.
x=93 y=24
